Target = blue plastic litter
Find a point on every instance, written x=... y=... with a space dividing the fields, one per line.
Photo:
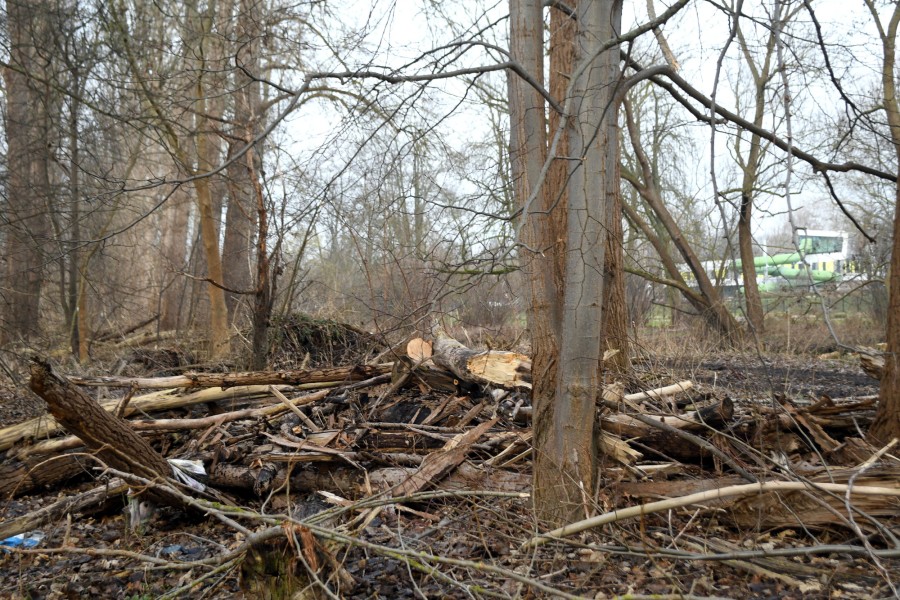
x=23 y=540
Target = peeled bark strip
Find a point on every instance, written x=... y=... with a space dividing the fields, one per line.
x=113 y=441
x=508 y=370
x=228 y=380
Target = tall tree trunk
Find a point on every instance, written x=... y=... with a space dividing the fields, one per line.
x=241 y=216
x=209 y=207
x=28 y=182
x=886 y=425
x=528 y=147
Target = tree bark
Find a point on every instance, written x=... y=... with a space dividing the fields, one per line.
x=113 y=441
x=565 y=461
x=27 y=136
x=886 y=425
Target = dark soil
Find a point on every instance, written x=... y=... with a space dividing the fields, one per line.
x=749 y=377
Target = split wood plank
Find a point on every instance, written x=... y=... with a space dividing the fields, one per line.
x=438 y=464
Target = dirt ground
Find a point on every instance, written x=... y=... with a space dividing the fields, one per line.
x=469 y=546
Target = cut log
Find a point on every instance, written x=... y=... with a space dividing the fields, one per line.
x=111 y=439
x=872 y=364
x=229 y=380
x=508 y=370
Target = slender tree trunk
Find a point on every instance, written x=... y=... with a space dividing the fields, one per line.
x=761 y=75
x=752 y=298
x=717 y=314
x=174 y=255
x=615 y=308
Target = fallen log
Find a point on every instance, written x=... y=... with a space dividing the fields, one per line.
x=353 y=483
x=110 y=439
x=22 y=476
x=229 y=380
x=887 y=490
x=44 y=426
x=508 y=370
x=439 y=464
x=715 y=416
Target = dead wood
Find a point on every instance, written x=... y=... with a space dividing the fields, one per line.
x=872 y=364
x=660 y=393
x=111 y=439
x=103 y=336
x=439 y=464
x=62 y=507
x=715 y=416
x=44 y=426
x=25 y=475
x=352 y=483
x=792 y=508
x=298 y=377
x=803 y=508
x=670 y=434
x=507 y=370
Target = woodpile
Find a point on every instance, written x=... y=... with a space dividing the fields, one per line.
x=439 y=416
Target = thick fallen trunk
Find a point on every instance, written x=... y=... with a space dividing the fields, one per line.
x=22 y=476
x=229 y=380
x=508 y=370
x=353 y=483
x=110 y=438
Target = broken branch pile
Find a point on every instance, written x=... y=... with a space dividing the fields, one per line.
x=452 y=421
